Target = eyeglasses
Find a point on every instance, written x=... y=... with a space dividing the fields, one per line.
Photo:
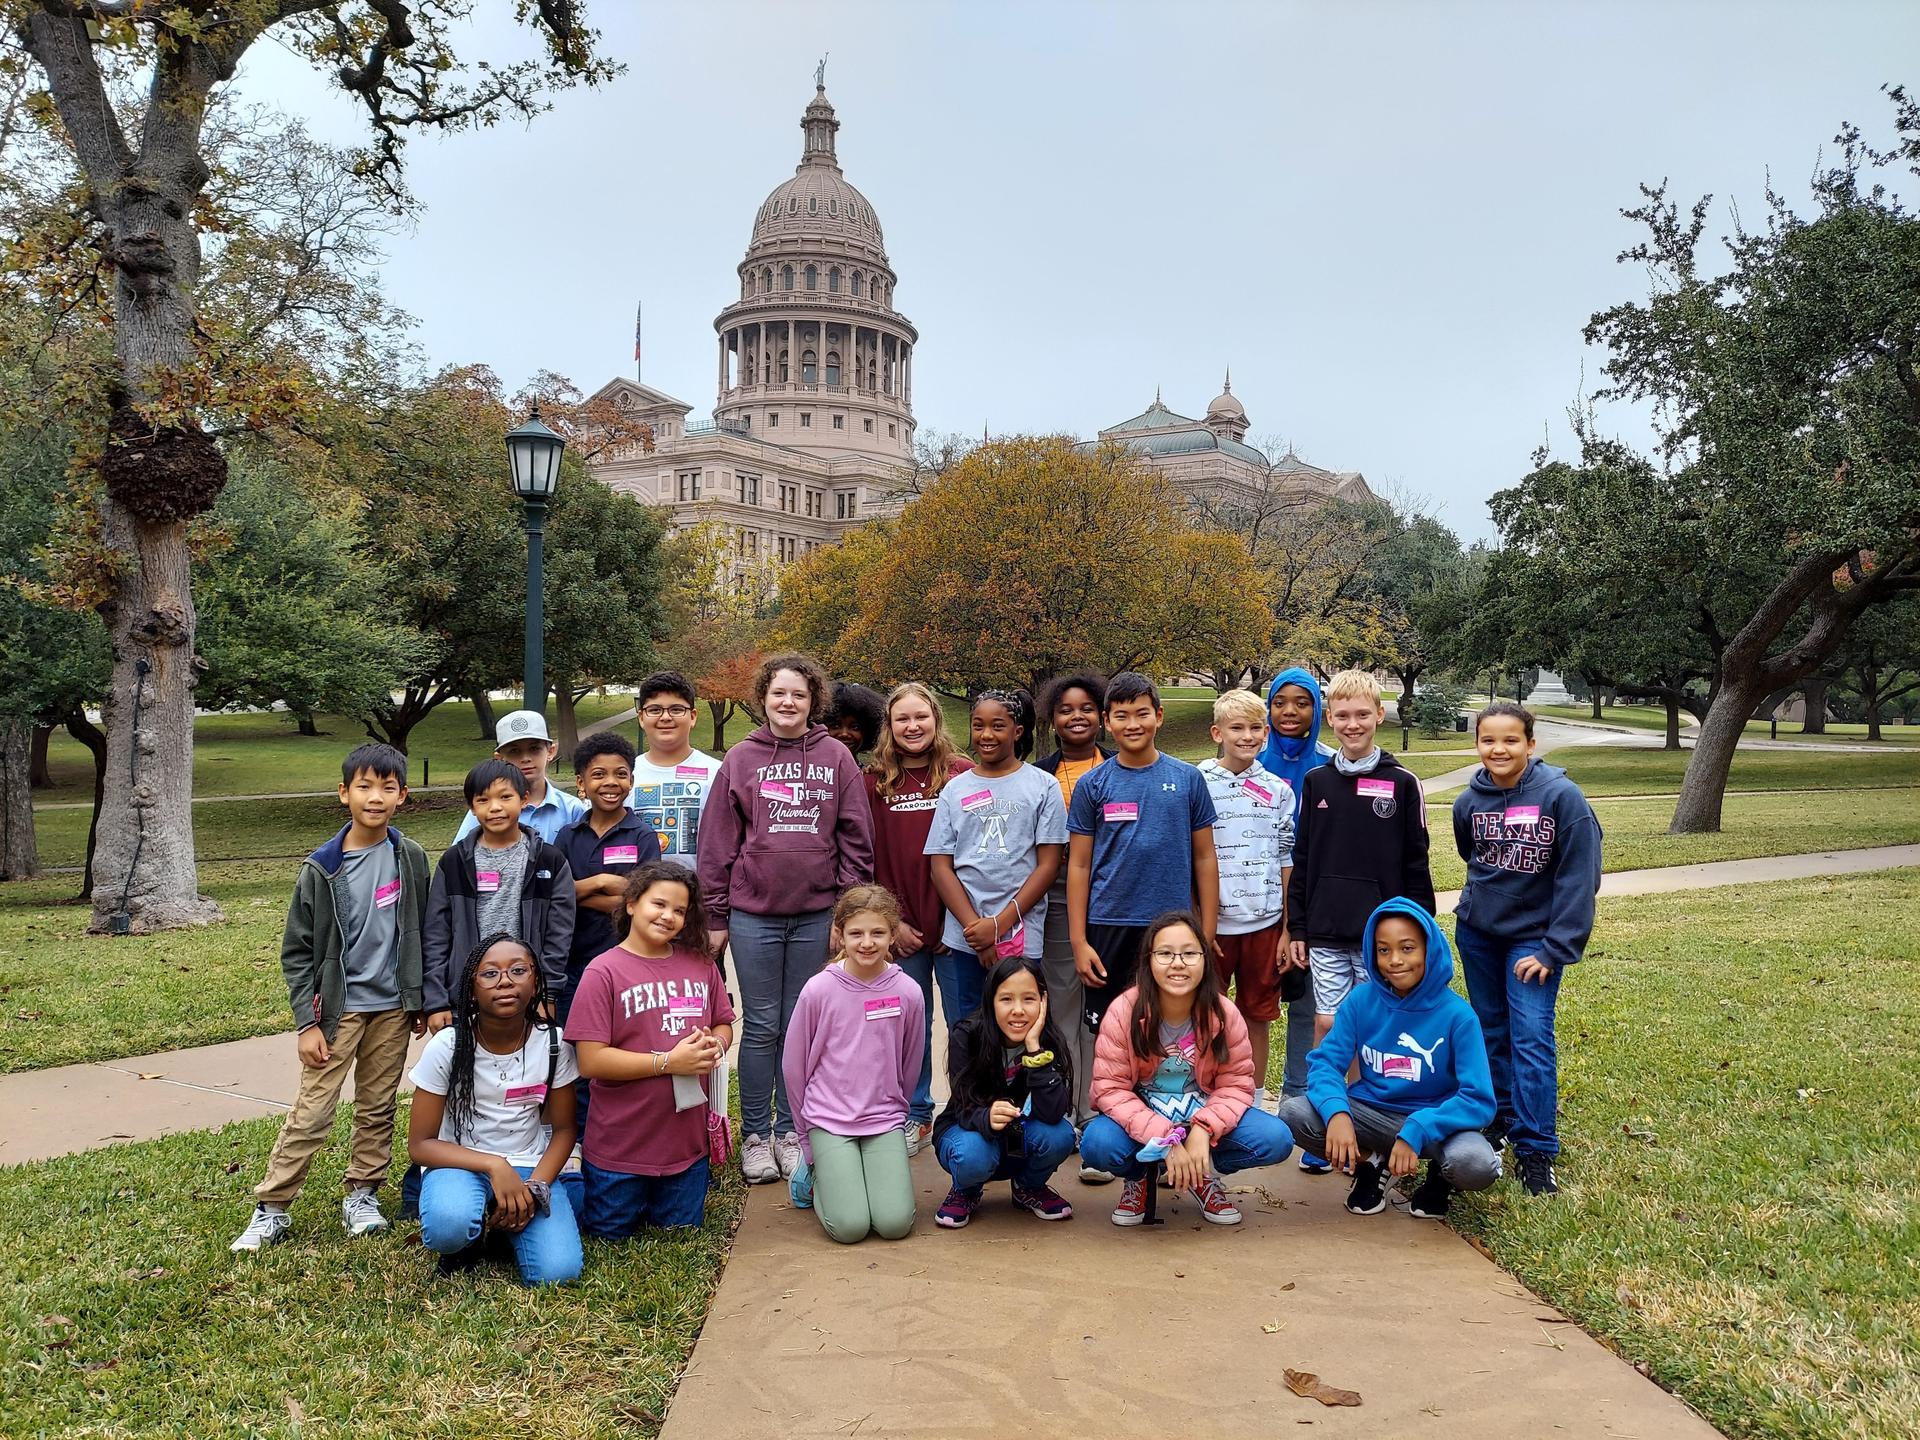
x=666 y=712
x=493 y=974
x=1183 y=957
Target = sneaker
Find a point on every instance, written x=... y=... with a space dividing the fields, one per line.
x=1430 y=1201
x=1536 y=1173
x=1314 y=1165
x=918 y=1136
x=1042 y=1204
x=756 y=1160
x=1214 y=1204
x=269 y=1226
x=786 y=1154
x=360 y=1213
x=957 y=1209
x=1368 y=1196
x=460 y=1261
x=1094 y=1175
x=1132 y=1209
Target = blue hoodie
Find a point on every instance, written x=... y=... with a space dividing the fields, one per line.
x=1533 y=861
x=1421 y=1055
x=1290 y=759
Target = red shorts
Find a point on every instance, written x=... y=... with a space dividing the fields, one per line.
x=1252 y=963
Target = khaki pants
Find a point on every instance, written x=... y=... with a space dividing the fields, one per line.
x=374 y=1047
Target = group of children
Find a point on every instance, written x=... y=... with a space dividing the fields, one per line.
x=1112 y=933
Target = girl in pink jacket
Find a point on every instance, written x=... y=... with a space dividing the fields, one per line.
x=1173 y=1082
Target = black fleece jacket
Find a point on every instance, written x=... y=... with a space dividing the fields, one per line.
x=453 y=916
x=1355 y=845
x=1045 y=1085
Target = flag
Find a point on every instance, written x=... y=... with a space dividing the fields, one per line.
x=636 y=339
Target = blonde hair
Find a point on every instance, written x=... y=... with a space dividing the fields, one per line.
x=889 y=767
x=1353 y=685
x=1241 y=703
x=861 y=899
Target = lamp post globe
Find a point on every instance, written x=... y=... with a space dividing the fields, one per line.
x=533 y=462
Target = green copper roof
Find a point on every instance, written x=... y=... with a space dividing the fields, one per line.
x=1154 y=417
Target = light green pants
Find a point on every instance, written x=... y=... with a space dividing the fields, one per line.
x=861 y=1185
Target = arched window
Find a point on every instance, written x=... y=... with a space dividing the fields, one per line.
x=833 y=280
x=873 y=381
x=833 y=367
x=783 y=367
x=856 y=283
x=766 y=281
x=808 y=372
x=813 y=277
x=813 y=205
x=746 y=284
x=786 y=277
x=833 y=207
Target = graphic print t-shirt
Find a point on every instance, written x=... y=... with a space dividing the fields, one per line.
x=637 y=1004
x=508 y=1091
x=991 y=825
x=671 y=797
x=1142 y=823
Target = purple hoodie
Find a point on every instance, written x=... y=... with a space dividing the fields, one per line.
x=788 y=828
x=853 y=1053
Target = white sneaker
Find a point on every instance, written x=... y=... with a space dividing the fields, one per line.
x=1093 y=1175
x=756 y=1161
x=918 y=1137
x=1263 y=1100
x=786 y=1154
x=360 y=1213
x=269 y=1226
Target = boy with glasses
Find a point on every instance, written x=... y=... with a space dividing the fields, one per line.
x=671 y=779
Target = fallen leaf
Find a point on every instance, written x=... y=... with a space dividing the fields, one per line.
x=1272 y=1327
x=295 y=1411
x=1287 y=1286
x=525 y=1345
x=101 y=1365
x=1311 y=1387
x=51 y=1321
x=153 y=1074
x=1179 y=1274
x=232 y=1167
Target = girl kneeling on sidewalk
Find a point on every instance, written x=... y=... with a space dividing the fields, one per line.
x=852 y=1058
x=492 y=1120
x=1173 y=1081
x=1011 y=1081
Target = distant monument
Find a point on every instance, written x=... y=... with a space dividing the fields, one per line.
x=1549 y=689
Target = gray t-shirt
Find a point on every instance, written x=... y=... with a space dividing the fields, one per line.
x=991 y=826
x=369 y=898
x=499 y=876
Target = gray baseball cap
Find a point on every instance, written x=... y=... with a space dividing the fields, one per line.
x=521 y=725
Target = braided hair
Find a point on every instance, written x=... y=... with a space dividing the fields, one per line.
x=466 y=1018
x=1020 y=706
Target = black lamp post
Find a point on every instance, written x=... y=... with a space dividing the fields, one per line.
x=534 y=454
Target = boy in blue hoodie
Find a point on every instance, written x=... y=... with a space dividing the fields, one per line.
x=1423 y=1091
x=1532 y=847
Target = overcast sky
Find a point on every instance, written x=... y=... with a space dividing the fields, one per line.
x=1390 y=220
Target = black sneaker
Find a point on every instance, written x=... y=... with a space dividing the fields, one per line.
x=1496 y=1134
x=1368 y=1196
x=461 y=1261
x=1536 y=1173
x=1430 y=1201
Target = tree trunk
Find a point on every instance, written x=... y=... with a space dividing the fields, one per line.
x=483 y=712
x=1813 y=695
x=721 y=710
x=306 y=725
x=569 y=721
x=39 y=776
x=1704 y=786
x=18 y=858
x=146 y=819
x=1596 y=706
x=90 y=735
x=1673 y=724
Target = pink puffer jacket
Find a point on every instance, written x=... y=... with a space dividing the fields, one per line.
x=1118 y=1073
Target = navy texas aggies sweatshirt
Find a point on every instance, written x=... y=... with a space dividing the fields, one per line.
x=1533 y=861
x=1361 y=839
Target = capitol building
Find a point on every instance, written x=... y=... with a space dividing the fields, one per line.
x=812 y=426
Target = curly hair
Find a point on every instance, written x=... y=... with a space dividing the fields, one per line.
x=466 y=1019
x=819 y=686
x=693 y=934
x=889 y=767
x=1019 y=704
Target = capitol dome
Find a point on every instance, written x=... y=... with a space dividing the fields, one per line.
x=818 y=204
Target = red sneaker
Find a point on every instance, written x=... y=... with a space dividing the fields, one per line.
x=1214 y=1204
x=1132 y=1209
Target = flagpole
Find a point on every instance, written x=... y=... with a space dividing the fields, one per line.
x=638 y=309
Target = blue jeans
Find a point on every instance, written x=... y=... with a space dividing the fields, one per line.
x=453 y=1211
x=1259 y=1139
x=1516 y=1017
x=972 y=1159
x=919 y=966
x=619 y=1204
x=773 y=957
x=961 y=977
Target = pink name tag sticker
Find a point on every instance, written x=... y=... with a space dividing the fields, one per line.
x=1259 y=792
x=1377 y=789
x=527 y=1094
x=774 y=790
x=1523 y=815
x=699 y=772
x=388 y=895
x=620 y=855
x=885 y=1008
x=1119 y=810
x=487 y=880
x=979 y=800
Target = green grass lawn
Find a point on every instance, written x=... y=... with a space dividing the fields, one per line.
x=1612 y=770
x=1646 y=717
x=126 y=1314
x=1738 y=1114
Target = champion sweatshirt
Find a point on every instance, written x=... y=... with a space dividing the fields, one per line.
x=787 y=828
x=1421 y=1054
x=1533 y=860
x=853 y=1053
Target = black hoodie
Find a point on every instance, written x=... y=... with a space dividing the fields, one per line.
x=1359 y=839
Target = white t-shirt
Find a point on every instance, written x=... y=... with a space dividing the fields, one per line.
x=671 y=798
x=508 y=1091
